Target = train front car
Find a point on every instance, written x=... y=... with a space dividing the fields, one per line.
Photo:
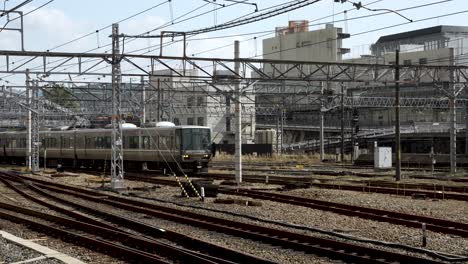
x=195 y=148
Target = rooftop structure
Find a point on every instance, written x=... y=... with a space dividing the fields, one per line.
x=431 y=38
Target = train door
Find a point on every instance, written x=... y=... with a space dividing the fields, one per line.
x=61 y=145
x=74 y=141
x=178 y=141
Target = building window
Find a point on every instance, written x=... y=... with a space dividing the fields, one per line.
x=201 y=121
x=423 y=61
x=190 y=121
x=176 y=121
x=228 y=124
x=199 y=101
x=190 y=102
x=407 y=62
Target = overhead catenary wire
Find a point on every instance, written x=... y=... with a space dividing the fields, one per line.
x=404 y=23
x=6 y=12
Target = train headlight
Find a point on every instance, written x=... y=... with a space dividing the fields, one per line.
x=206 y=156
x=186 y=156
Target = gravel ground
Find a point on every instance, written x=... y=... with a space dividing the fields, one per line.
x=80 y=253
x=444 y=209
x=318 y=219
x=11 y=252
x=258 y=249
x=327 y=221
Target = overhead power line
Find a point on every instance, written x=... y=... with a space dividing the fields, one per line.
x=6 y=12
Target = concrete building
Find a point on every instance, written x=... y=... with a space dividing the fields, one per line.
x=440 y=45
x=431 y=38
x=296 y=42
x=186 y=101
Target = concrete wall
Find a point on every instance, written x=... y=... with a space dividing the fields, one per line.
x=185 y=103
x=317 y=45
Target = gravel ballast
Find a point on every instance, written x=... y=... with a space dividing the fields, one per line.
x=446 y=209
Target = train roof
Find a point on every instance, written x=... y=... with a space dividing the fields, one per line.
x=105 y=129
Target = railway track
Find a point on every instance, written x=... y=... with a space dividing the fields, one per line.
x=433 y=224
x=435 y=192
x=217 y=254
x=347 y=252
x=74 y=231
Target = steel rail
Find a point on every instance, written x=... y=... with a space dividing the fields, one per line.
x=149 y=245
x=97 y=244
x=416 y=221
x=218 y=254
x=401 y=190
x=410 y=220
x=310 y=244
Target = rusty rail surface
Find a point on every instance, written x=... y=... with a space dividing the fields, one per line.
x=95 y=243
x=433 y=224
x=310 y=244
x=416 y=221
x=218 y=254
x=401 y=190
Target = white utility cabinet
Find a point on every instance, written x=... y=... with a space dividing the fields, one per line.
x=383 y=158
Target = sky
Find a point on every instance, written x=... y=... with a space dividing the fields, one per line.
x=64 y=20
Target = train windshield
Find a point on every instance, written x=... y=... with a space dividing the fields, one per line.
x=196 y=138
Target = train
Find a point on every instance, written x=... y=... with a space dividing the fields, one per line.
x=175 y=149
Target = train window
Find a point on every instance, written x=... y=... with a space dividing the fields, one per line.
x=52 y=142
x=196 y=139
x=99 y=142
x=87 y=142
x=177 y=139
x=145 y=142
x=108 y=142
x=163 y=143
x=133 y=142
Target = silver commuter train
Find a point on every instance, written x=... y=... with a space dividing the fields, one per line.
x=169 y=147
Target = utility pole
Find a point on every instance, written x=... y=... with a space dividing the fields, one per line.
x=28 y=139
x=321 y=119
x=35 y=140
x=238 y=112
x=117 y=172
x=159 y=108
x=397 y=117
x=143 y=101
x=453 y=130
x=466 y=130
x=453 y=118
x=342 y=125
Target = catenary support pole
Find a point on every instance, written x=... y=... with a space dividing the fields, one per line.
x=238 y=112
x=342 y=125
x=35 y=140
x=28 y=139
x=143 y=101
x=321 y=120
x=397 y=117
x=453 y=119
x=117 y=172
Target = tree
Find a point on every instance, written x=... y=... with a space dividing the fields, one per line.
x=61 y=95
